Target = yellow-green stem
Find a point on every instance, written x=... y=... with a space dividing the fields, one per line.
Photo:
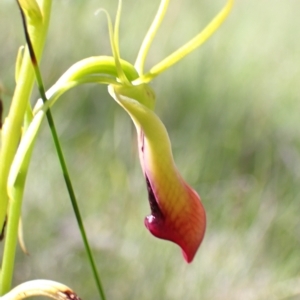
x=14 y=213
x=11 y=132
x=11 y=135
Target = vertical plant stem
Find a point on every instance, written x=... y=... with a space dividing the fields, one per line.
x=62 y=159
x=78 y=215
x=11 y=134
x=14 y=213
x=11 y=131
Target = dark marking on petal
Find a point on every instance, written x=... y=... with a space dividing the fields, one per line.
x=3 y=229
x=155 y=209
x=71 y=295
x=142 y=141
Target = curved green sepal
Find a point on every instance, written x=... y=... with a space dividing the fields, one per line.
x=97 y=65
x=148 y=39
x=190 y=46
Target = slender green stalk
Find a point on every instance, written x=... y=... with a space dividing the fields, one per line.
x=12 y=228
x=11 y=131
x=11 y=134
x=62 y=159
x=14 y=212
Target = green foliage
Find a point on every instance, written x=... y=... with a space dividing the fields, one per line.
x=232 y=111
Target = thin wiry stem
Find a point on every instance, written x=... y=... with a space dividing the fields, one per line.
x=62 y=159
x=10 y=140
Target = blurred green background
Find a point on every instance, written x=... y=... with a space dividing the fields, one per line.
x=232 y=112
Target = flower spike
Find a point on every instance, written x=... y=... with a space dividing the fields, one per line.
x=177 y=214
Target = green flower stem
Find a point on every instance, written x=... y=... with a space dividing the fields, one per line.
x=11 y=135
x=61 y=159
x=74 y=201
x=14 y=213
x=74 y=204
x=11 y=131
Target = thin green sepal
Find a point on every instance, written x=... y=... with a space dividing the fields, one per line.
x=187 y=48
x=141 y=58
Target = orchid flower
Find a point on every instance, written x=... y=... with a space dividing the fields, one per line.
x=177 y=214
